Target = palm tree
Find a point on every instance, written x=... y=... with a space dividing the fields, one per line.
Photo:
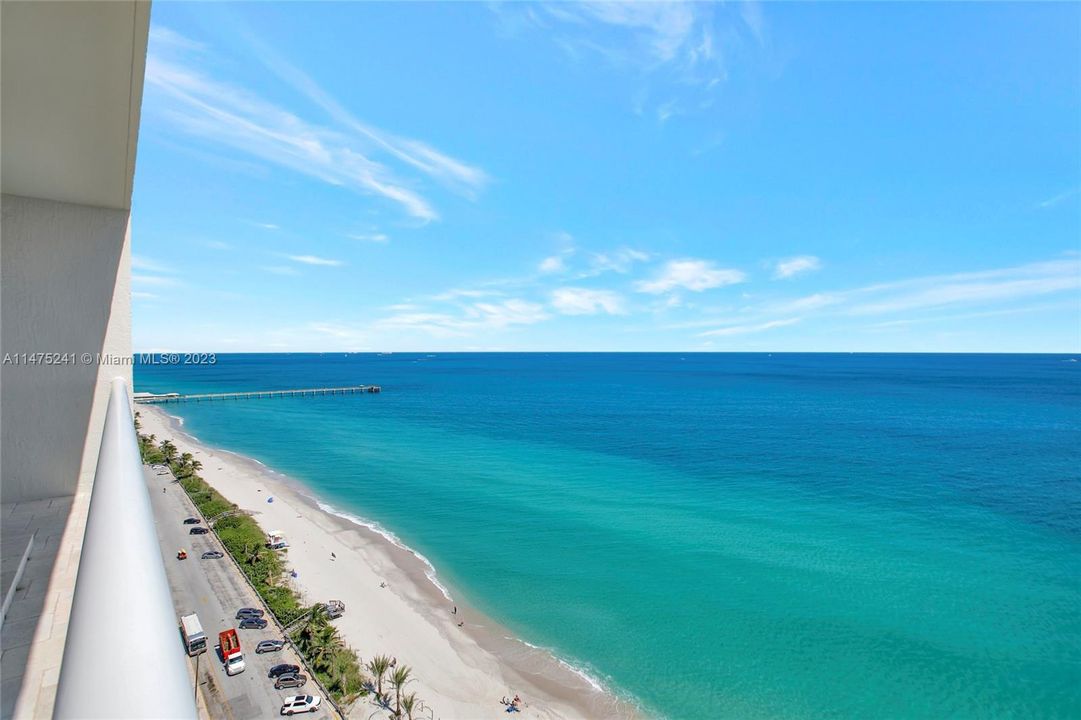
x=253 y=554
x=168 y=450
x=326 y=644
x=409 y=703
x=196 y=466
x=306 y=634
x=378 y=667
x=399 y=678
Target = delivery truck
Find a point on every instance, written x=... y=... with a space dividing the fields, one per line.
x=192 y=632
x=230 y=652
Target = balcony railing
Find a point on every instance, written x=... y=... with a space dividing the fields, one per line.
x=123 y=657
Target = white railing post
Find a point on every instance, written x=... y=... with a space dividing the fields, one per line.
x=123 y=657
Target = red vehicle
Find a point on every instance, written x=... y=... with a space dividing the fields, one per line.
x=230 y=652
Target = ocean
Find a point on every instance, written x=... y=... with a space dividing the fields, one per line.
x=715 y=535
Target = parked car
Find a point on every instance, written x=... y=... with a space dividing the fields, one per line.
x=252 y=623
x=283 y=669
x=292 y=680
x=198 y=531
x=300 y=703
x=193 y=521
x=213 y=555
x=248 y=612
x=269 y=646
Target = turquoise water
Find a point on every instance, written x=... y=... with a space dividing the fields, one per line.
x=743 y=536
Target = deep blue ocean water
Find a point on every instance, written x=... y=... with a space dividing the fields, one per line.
x=718 y=535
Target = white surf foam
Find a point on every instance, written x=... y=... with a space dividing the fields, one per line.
x=391 y=538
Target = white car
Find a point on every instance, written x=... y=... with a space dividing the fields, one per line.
x=300 y=703
x=235 y=664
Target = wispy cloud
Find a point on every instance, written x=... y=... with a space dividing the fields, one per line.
x=552 y=264
x=680 y=49
x=374 y=237
x=982 y=292
x=558 y=262
x=690 y=274
x=164 y=37
x=315 y=260
x=140 y=262
x=973 y=288
x=584 y=301
x=466 y=179
x=473 y=318
x=747 y=329
x=458 y=293
x=236 y=117
x=154 y=280
x=217 y=245
x=1056 y=199
x=280 y=269
x=793 y=266
x=266 y=226
x=619 y=261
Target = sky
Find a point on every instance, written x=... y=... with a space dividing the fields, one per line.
x=601 y=176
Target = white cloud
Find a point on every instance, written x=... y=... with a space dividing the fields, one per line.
x=476 y=317
x=747 y=329
x=217 y=245
x=582 y=301
x=664 y=30
x=266 y=226
x=964 y=292
x=280 y=269
x=619 y=261
x=137 y=295
x=690 y=274
x=154 y=280
x=982 y=293
x=160 y=35
x=139 y=262
x=552 y=264
x=793 y=266
x=457 y=293
x=460 y=176
x=507 y=312
x=314 y=260
x=233 y=116
x=375 y=237
x=1056 y=199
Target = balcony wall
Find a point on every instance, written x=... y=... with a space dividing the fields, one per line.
x=65 y=287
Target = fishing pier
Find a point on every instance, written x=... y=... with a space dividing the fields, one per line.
x=163 y=398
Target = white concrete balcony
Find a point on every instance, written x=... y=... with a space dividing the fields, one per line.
x=122 y=617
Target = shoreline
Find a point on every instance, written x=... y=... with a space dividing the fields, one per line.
x=461 y=672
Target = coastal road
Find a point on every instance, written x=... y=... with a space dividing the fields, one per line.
x=215 y=589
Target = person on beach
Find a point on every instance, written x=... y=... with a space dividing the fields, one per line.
x=461 y=623
x=454 y=611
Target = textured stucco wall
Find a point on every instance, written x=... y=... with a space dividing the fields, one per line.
x=65 y=287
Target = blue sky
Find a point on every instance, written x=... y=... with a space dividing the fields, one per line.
x=789 y=177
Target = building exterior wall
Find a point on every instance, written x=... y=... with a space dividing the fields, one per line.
x=65 y=288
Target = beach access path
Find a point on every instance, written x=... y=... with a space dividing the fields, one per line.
x=215 y=590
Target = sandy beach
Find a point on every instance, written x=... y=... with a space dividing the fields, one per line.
x=393 y=605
